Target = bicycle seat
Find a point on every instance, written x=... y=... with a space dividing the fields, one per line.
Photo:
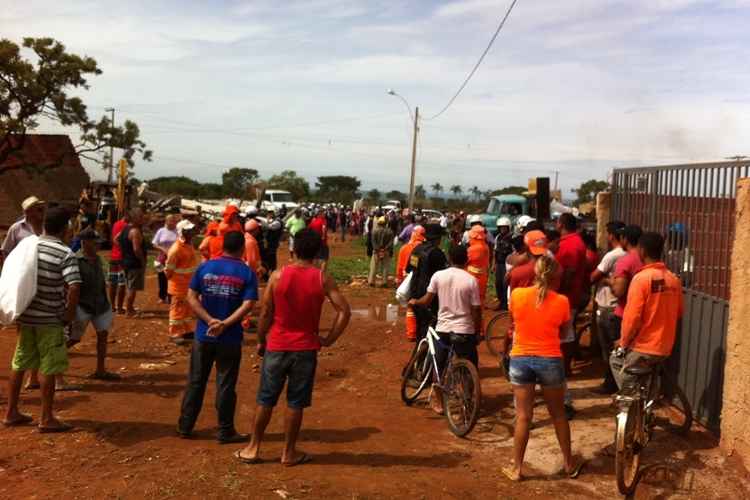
x=639 y=370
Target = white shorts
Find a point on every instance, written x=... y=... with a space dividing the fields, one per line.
x=101 y=323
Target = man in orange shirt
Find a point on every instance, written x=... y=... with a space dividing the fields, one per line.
x=479 y=258
x=654 y=306
x=180 y=266
x=417 y=237
x=252 y=250
x=230 y=223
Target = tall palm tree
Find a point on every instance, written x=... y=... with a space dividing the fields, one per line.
x=476 y=193
x=437 y=188
x=457 y=190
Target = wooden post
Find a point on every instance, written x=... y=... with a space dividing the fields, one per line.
x=603 y=217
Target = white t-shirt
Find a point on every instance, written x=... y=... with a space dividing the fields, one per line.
x=457 y=291
x=604 y=295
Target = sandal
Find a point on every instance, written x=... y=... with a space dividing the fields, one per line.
x=68 y=387
x=303 y=459
x=576 y=471
x=22 y=420
x=510 y=474
x=245 y=460
x=56 y=429
x=31 y=387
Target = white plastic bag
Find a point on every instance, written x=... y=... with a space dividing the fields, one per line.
x=403 y=291
x=18 y=280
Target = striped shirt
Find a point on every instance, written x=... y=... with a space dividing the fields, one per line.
x=57 y=266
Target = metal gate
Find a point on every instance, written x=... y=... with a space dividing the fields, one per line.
x=693 y=206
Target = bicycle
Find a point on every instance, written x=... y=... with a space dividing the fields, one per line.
x=459 y=383
x=496 y=336
x=636 y=420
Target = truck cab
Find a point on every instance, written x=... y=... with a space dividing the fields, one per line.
x=508 y=205
x=274 y=199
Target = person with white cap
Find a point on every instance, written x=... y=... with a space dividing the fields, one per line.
x=476 y=220
x=181 y=263
x=503 y=248
x=31 y=224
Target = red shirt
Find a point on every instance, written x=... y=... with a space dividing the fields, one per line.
x=318 y=224
x=626 y=267
x=297 y=303
x=117 y=228
x=523 y=276
x=572 y=257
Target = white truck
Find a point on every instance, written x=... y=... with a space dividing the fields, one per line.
x=275 y=199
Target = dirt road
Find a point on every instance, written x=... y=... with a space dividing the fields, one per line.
x=364 y=441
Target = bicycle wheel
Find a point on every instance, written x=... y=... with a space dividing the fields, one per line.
x=497 y=330
x=416 y=374
x=627 y=448
x=462 y=396
x=681 y=420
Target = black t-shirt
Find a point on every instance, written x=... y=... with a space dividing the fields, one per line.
x=426 y=259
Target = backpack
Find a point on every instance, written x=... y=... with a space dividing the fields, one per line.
x=18 y=280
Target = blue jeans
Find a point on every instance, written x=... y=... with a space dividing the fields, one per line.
x=532 y=370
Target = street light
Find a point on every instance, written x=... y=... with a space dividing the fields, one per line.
x=415 y=120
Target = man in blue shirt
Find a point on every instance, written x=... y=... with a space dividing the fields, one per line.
x=222 y=292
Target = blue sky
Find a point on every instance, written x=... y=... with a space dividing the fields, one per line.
x=578 y=86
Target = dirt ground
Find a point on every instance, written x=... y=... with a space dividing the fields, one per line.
x=364 y=441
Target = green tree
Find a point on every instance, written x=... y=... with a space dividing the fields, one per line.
x=38 y=88
x=420 y=193
x=587 y=191
x=374 y=196
x=457 y=190
x=476 y=193
x=237 y=182
x=338 y=188
x=396 y=195
x=519 y=190
x=437 y=189
x=288 y=180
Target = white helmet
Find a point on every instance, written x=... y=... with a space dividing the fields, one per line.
x=523 y=221
x=503 y=221
x=475 y=219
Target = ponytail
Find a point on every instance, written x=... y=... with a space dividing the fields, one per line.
x=544 y=270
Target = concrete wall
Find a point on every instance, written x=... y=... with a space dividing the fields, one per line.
x=735 y=436
x=603 y=211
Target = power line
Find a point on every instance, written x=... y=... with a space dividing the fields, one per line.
x=479 y=62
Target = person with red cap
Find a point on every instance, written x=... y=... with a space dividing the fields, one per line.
x=212 y=229
x=230 y=223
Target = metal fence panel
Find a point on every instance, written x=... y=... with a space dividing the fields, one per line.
x=694 y=207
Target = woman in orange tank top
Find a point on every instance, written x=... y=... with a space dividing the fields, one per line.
x=540 y=316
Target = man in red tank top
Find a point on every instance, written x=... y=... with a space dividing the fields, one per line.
x=289 y=341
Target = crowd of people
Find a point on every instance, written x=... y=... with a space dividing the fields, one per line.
x=544 y=277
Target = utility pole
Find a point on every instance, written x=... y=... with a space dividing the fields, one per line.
x=111 y=147
x=413 y=159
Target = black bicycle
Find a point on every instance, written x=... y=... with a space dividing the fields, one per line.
x=636 y=418
x=459 y=383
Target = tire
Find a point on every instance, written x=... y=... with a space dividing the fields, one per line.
x=497 y=330
x=627 y=449
x=462 y=397
x=683 y=427
x=416 y=374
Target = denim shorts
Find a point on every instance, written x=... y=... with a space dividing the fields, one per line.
x=547 y=372
x=298 y=367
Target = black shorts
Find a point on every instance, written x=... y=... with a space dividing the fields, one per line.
x=464 y=345
x=324 y=252
x=296 y=366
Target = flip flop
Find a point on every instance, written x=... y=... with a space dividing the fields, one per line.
x=245 y=460
x=576 y=470
x=22 y=420
x=69 y=388
x=56 y=429
x=303 y=459
x=510 y=475
x=31 y=387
